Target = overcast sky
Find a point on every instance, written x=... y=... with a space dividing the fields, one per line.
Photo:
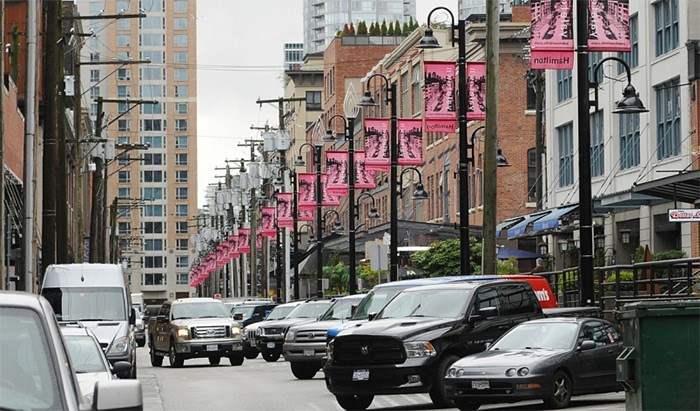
x=240 y=55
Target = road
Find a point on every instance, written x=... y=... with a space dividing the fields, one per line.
x=259 y=385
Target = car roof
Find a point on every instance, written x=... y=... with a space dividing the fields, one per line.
x=195 y=300
x=565 y=320
x=459 y=284
x=75 y=329
x=416 y=282
x=20 y=299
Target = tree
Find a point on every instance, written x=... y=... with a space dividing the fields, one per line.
x=404 y=29
x=443 y=258
x=384 y=28
x=374 y=29
x=346 y=29
x=390 y=30
x=338 y=277
x=362 y=28
x=352 y=29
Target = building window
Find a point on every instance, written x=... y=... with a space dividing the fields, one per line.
x=666 y=17
x=123 y=74
x=153 y=109
x=181 y=108
x=631 y=57
x=153 y=227
x=181 y=227
x=123 y=24
x=182 y=279
x=668 y=117
x=565 y=138
x=629 y=141
x=123 y=227
x=152 y=91
x=151 y=73
x=153 y=141
x=181 y=124
x=124 y=192
x=152 y=124
x=123 y=91
x=597 y=144
x=180 y=159
x=181 y=142
x=564 y=87
x=94 y=92
x=181 y=176
x=180 y=40
x=416 y=93
x=153 y=244
x=181 y=244
x=152 y=193
x=153 y=279
x=123 y=211
x=594 y=58
x=155 y=261
x=153 y=56
x=531 y=174
x=181 y=74
x=181 y=193
x=530 y=94
x=182 y=262
x=95 y=75
x=152 y=159
x=123 y=40
x=152 y=22
x=152 y=210
x=180 y=57
x=152 y=39
x=123 y=55
x=124 y=176
x=180 y=23
x=180 y=6
x=404 y=95
x=181 y=210
x=313 y=101
x=123 y=159
x=153 y=176
x=124 y=125
x=181 y=91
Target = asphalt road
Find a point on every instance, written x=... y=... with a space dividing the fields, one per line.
x=259 y=385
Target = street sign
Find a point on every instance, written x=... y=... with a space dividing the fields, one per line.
x=378 y=255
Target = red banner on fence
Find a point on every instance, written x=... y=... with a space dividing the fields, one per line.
x=439 y=96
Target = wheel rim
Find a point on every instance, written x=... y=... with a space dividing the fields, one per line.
x=561 y=389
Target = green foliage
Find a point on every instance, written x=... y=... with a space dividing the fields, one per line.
x=338 y=277
x=669 y=255
x=369 y=277
x=639 y=254
x=390 y=30
x=362 y=28
x=384 y=28
x=374 y=29
x=443 y=258
x=404 y=29
x=509 y=266
x=625 y=275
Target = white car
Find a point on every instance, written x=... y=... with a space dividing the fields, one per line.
x=88 y=359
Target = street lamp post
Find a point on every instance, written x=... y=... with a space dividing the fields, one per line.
x=366 y=101
x=628 y=105
x=279 y=184
x=428 y=42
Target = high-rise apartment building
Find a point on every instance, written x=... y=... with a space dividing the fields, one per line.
x=324 y=18
x=154 y=189
x=293 y=56
x=469 y=7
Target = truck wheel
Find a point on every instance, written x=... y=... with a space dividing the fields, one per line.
x=214 y=360
x=354 y=402
x=466 y=405
x=437 y=392
x=236 y=359
x=304 y=370
x=251 y=353
x=560 y=396
x=176 y=360
x=156 y=360
x=271 y=356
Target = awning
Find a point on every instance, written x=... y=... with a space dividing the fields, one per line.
x=520 y=228
x=683 y=187
x=551 y=220
x=505 y=253
x=506 y=224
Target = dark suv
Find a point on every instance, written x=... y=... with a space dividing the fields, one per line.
x=252 y=312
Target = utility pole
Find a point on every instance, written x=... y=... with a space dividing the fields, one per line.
x=3 y=227
x=253 y=221
x=97 y=197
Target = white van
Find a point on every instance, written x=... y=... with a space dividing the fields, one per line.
x=97 y=296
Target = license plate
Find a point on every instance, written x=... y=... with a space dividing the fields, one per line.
x=309 y=352
x=480 y=385
x=212 y=347
x=360 y=375
x=270 y=345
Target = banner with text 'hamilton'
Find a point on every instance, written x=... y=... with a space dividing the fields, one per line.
x=439 y=96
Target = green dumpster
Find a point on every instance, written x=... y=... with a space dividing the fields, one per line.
x=659 y=366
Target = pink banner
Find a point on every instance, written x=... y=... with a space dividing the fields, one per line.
x=376 y=143
x=552 y=60
x=268 y=221
x=233 y=247
x=244 y=240
x=285 y=208
x=306 y=191
x=306 y=214
x=476 y=83
x=328 y=198
x=609 y=23
x=364 y=178
x=552 y=25
x=410 y=142
x=337 y=169
x=439 y=95
x=222 y=257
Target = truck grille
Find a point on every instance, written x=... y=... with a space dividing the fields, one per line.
x=352 y=350
x=218 y=331
x=317 y=336
x=272 y=331
x=250 y=334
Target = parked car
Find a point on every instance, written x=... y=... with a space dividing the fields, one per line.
x=139 y=326
x=252 y=312
x=269 y=337
x=250 y=349
x=37 y=372
x=410 y=344
x=550 y=359
x=194 y=328
x=305 y=344
x=88 y=359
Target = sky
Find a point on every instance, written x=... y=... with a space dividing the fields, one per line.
x=240 y=55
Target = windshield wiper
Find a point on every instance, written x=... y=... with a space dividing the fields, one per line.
x=414 y=311
x=209 y=316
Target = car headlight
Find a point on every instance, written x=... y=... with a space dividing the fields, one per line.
x=455 y=372
x=183 y=333
x=235 y=331
x=329 y=351
x=119 y=345
x=290 y=335
x=510 y=372
x=523 y=371
x=419 y=349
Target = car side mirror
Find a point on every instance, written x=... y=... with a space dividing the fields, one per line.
x=353 y=308
x=117 y=394
x=587 y=345
x=120 y=367
x=371 y=316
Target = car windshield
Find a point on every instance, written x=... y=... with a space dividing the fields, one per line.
x=375 y=301
x=340 y=310
x=28 y=375
x=309 y=310
x=213 y=309
x=87 y=303
x=280 y=312
x=555 y=336
x=85 y=354
x=439 y=303
x=243 y=311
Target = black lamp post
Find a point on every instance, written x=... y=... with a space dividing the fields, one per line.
x=354 y=214
x=430 y=42
x=279 y=183
x=630 y=104
x=420 y=193
x=319 y=205
x=367 y=101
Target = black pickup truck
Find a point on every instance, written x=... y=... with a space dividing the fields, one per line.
x=409 y=345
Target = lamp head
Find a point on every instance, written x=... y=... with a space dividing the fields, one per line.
x=299 y=162
x=630 y=102
x=278 y=183
x=501 y=159
x=428 y=41
x=367 y=100
x=338 y=228
x=312 y=239
x=373 y=214
x=420 y=193
x=329 y=137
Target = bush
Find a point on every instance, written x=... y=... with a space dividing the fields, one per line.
x=669 y=255
x=625 y=275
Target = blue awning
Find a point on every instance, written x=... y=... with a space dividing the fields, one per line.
x=551 y=220
x=521 y=227
x=506 y=224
